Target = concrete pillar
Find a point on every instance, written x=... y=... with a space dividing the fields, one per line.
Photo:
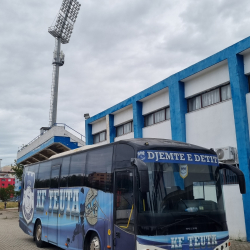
x=239 y=89
x=178 y=110
x=138 y=119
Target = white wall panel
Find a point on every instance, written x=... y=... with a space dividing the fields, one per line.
x=98 y=126
x=125 y=137
x=123 y=116
x=207 y=80
x=247 y=63
x=159 y=130
x=234 y=212
x=212 y=127
x=155 y=102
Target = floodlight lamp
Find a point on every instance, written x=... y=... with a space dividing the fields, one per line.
x=86 y=116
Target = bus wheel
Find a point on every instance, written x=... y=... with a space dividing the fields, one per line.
x=94 y=243
x=38 y=235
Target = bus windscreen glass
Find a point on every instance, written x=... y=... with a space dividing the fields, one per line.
x=184 y=197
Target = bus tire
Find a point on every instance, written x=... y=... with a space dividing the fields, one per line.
x=94 y=243
x=38 y=235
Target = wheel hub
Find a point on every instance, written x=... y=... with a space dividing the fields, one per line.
x=38 y=232
x=95 y=244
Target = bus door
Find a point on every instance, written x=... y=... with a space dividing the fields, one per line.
x=124 y=227
x=54 y=204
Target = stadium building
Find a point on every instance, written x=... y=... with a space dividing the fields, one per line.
x=51 y=141
x=206 y=104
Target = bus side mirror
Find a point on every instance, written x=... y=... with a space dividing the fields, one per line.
x=239 y=174
x=143 y=174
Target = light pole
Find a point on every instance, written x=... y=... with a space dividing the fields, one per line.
x=61 y=30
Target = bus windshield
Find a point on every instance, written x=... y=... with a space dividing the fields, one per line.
x=182 y=199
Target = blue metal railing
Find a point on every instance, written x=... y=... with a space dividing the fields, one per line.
x=56 y=124
x=66 y=126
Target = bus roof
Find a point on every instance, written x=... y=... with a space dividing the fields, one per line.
x=140 y=143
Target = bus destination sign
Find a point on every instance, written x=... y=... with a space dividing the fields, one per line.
x=177 y=157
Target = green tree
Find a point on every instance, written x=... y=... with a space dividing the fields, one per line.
x=18 y=169
x=6 y=193
x=18 y=193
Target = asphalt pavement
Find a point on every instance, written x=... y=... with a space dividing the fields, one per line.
x=13 y=238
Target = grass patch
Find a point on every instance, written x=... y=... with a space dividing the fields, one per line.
x=10 y=204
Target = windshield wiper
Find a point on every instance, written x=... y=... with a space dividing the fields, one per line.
x=195 y=215
x=161 y=227
x=203 y=215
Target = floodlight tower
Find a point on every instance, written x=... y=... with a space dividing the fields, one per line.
x=61 y=30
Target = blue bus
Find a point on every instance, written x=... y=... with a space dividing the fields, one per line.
x=144 y=194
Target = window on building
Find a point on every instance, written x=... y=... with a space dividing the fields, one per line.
x=226 y=92
x=2 y=185
x=100 y=137
x=124 y=128
x=157 y=116
x=3 y=179
x=211 y=97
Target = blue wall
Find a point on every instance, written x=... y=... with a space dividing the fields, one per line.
x=138 y=119
x=239 y=89
x=88 y=134
x=178 y=107
x=112 y=130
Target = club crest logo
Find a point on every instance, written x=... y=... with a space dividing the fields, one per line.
x=28 y=196
x=141 y=155
x=91 y=206
x=183 y=170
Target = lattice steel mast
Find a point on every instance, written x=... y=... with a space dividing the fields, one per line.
x=61 y=30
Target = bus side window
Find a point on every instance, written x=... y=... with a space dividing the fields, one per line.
x=65 y=172
x=54 y=180
x=77 y=170
x=35 y=169
x=44 y=175
x=124 y=152
x=98 y=171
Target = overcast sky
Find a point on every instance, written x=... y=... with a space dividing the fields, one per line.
x=117 y=49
